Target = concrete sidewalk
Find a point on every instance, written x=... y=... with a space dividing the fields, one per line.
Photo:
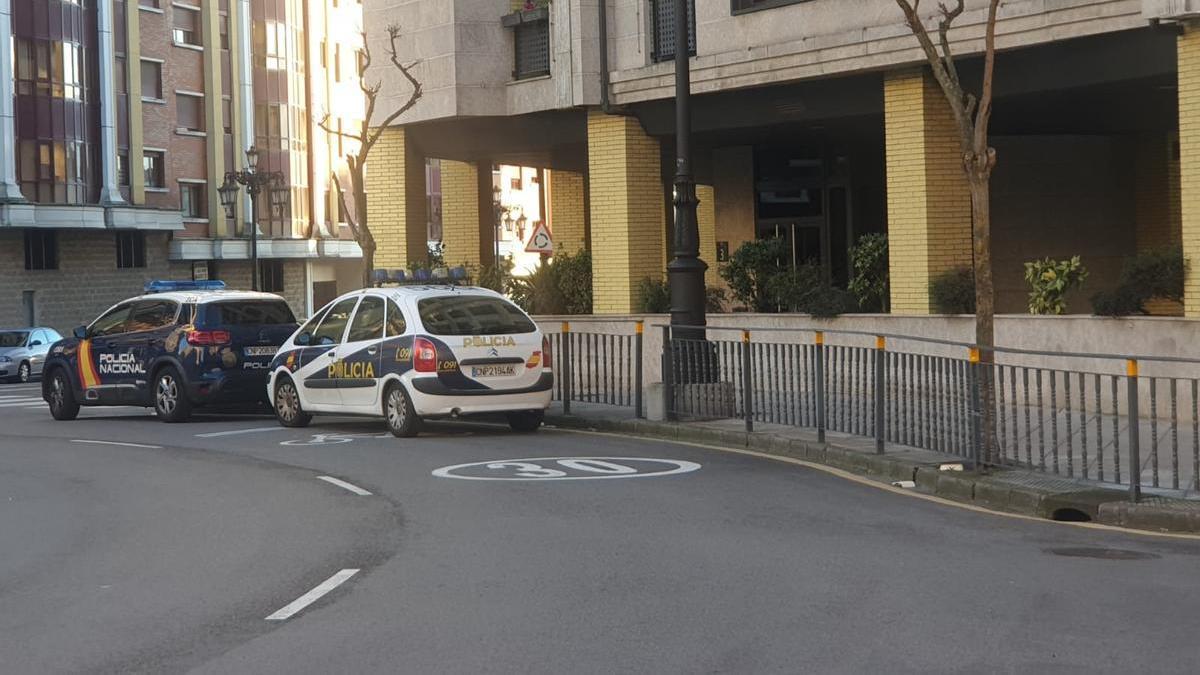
x=1010 y=490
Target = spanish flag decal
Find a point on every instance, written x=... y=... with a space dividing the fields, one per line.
x=87 y=367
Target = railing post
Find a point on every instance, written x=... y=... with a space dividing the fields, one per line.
x=976 y=411
x=1135 y=449
x=820 y=343
x=566 y=367
x=668 y=375
x=637 y=373
x=880 y=408
x=747 y=383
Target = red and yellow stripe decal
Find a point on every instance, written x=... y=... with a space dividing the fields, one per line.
x=88 y=377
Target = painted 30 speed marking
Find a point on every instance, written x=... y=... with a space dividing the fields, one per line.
x=567 y=468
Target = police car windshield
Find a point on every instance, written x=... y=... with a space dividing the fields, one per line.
x=472 y=315
x=248 y=312
x=12 y=338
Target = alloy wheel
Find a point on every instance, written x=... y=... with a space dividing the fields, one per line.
x=167 y=395
x=287 y=404
x=396 y=409
x=56 y=392
x=23 y=372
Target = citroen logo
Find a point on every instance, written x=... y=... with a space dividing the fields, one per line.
x=494 y=351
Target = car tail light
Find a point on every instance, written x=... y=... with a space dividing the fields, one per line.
x=208 y=338
x=424 y=356
x=546 y=351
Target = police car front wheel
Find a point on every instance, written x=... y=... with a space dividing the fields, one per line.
x=63 y=406
x=171 y=403
x=288 y=410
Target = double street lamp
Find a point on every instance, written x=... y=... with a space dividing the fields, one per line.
x=254 y=181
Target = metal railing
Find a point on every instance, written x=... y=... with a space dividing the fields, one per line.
x=598 y=367
x=1102 y=421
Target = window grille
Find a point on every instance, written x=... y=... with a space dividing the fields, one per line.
x=531 y=42
x=663 y=12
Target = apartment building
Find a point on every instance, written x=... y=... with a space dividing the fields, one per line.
x=815 y=120
x=118 y=125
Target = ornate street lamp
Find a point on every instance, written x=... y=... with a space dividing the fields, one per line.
x=686 y=269
x=254 y=182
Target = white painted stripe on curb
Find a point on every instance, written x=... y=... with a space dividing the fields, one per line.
x=312 y=596
x=127 y=445
x=235 y=432
x=344 y=485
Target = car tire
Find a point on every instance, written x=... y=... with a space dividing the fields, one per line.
x=398 y=410
x=63 y=406
x=288 y=410
x=526 y=421
x=171 y=402
x=24 y=373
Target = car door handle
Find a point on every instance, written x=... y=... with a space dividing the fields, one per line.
x=372 y=350
x=331 y=353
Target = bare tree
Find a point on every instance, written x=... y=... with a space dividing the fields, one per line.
x=972 y=115
x=367 y=136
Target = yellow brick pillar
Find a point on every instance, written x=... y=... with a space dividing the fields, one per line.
x=568 y=211
x=628 y=213
x=706 y=218
x=928 y=202
x=460 y=213
x=1189 y=164
x=1157 y=203
x=396 y=200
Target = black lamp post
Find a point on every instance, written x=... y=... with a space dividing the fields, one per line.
x=498 y=212
x=254 y=181
x=686 y=270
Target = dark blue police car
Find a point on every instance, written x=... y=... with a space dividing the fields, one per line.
x=182 y=345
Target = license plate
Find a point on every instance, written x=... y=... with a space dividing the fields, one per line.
x=493 y=371
x=261 y=351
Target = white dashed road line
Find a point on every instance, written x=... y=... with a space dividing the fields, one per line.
x=312 y=596
x=235 y=432
x=20 y=402
x=344 y=485
x=127 y=445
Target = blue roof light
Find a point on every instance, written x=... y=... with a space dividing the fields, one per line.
x=160 y=286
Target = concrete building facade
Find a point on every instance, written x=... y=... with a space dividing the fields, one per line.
x=816 y=120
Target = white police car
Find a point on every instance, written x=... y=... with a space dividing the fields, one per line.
x=414 y=352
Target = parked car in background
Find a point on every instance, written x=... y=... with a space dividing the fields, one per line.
x=23 y=352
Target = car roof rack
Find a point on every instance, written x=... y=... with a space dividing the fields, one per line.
x=163 y=286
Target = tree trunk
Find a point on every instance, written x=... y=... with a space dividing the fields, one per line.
x=367 y=244
x=985 y=309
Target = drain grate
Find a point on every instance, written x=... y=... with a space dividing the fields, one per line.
x=1102 y=553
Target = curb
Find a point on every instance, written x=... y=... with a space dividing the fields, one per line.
x=990 y=491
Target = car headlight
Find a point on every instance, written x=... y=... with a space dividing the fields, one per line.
x=5 y=359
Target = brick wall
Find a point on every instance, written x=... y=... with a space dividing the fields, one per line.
x=86 y=282
x=1189 y=163
x=460 y=212
x=1157 y=203
x=627 y=210
x=396 y=200
x=929 y=206
x=236 y=275
x=568 y=211
x=733 y=202
x=706 y=218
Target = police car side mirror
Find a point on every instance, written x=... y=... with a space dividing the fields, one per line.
x=303 y=339
x=80 y=332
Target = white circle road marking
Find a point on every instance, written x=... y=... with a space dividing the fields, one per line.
x=585 y=468
x=319 y=439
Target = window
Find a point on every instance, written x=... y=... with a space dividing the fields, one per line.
x=152 y=80
x=334 y=324
x=249 y=313
x=131 y=250
x=337 y=63
x=112 y=322
x=41 y=250
x=149 y=3
x=151 y=314
x=224 y=23
x=270 y=275
x=189 y=112
x=360 y=59
x=192 y=203
x=531 y=48
x=123 y=168
x=154 y=169
x=324 y=59
x=664 y=29
x=743 y=6
x=368 y=320
x=472 y=315
x=185 y=29
x=396 y=325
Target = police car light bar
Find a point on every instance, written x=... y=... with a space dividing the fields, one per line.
x=160 y=286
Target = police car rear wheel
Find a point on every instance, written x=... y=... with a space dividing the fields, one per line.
x=288 y=410
x=171 y=403
x=402 y=419
x=527 y=421
x=63 y=406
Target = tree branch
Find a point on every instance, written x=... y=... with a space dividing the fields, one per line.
x=950 y=85
x=405 y=70
x=984 y=115
x=948 y=17
x=324 y=126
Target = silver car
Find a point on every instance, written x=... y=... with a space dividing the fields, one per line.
x=23 y=351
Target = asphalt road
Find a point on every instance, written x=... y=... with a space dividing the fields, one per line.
x=169 y=553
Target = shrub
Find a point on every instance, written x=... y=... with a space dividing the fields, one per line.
x=575 y=280
x=1147 y=275
x=749 y=269
x=715 y=298
x=653 y=296
x=1121 y=301
x=562 y=285
x=496 y=277
x=869 y=269
x=1051 y=280
x=804 y=289
x=953 y=292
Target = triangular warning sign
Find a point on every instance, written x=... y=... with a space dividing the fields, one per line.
x=540 y=241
